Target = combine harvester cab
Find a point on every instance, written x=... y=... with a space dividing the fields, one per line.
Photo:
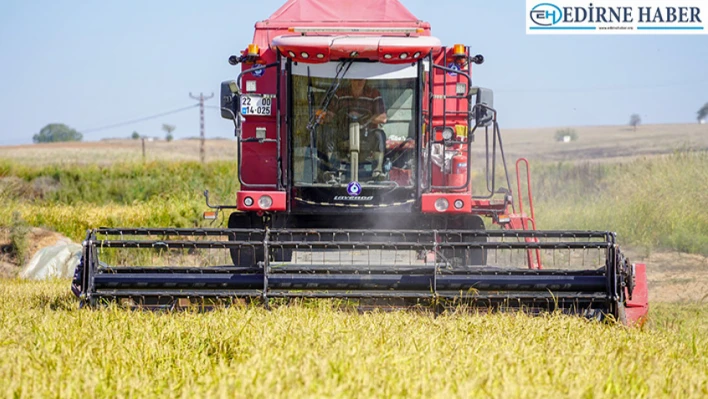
x=358 y=136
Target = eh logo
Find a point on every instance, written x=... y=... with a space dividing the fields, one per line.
x=546 y=14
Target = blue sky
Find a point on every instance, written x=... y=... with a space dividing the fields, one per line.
x=90 y=64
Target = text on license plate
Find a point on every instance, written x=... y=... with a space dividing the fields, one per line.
x=256 y=105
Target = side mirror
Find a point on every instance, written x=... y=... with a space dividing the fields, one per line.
x=229 y=99
x=485 y=100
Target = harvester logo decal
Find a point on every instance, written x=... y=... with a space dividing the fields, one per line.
x=453 y=65
x=354 y=189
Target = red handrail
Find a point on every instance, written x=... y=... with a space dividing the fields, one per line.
x=532 y=219
x=528 y=186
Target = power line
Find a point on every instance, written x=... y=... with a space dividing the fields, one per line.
x=202 y=134
x=133 y=121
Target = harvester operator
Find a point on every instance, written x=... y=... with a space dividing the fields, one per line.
x=359 y=102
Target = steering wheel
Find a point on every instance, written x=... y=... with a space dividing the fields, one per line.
x=357 y=114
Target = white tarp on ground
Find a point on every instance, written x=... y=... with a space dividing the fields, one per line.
x=57 y=261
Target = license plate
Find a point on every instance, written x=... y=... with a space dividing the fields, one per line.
x=256 y=105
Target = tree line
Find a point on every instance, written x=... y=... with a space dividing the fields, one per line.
x=57 y=132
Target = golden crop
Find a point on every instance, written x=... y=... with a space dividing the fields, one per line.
x=50 y=348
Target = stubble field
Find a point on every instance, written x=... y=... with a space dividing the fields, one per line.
x=595 y=143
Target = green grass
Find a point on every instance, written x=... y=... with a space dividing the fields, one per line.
x=654 y=202
x=123 y=183
x=73 y=198
x=50 y=348
x=657 y=202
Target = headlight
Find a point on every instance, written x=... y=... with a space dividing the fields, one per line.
x=447 y=133
x=459 y=204
x=441 y=204
x=265 y=202
x=248 y=201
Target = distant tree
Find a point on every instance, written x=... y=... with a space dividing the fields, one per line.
x=168 y=130
x=634 y=121
x=566 y=135
x=135 y=136
x=56 y=132
x=703 y=113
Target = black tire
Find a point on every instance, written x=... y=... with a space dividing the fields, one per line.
x=282 y=255
x=77 y=281
x=250 y=256
x=467 y=256
x=244 y=256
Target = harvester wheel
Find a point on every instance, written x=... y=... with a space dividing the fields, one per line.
x=250 y=256
x=245 y=256
x=466 y=256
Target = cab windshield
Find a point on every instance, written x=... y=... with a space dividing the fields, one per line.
x=354 y=121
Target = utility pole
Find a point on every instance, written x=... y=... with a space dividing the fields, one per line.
x=202 y=135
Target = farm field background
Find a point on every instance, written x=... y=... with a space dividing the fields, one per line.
x=650 y=186
x=594 y=143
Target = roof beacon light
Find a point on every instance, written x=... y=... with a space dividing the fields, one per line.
x=459 y=50
x=253 y=50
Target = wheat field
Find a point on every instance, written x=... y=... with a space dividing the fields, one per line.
x=611 y=178
x=50 y=348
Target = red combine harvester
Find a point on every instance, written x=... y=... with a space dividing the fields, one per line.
x=356 y=131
